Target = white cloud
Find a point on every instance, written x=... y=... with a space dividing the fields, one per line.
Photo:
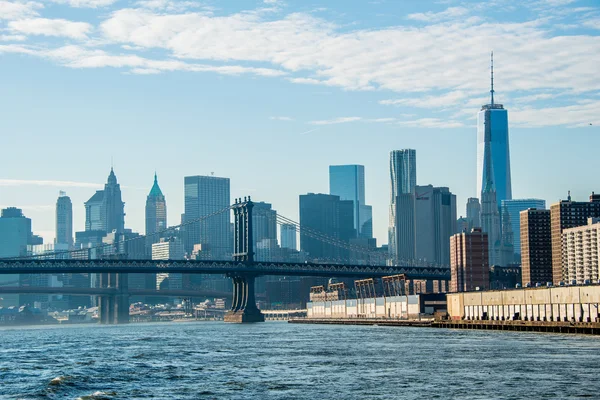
x=438 y=65
x=281 y=118
x=534 y=97
x=80 y=57
x=442 y=101
x=14 y=10
x=171 y=5
x=592 y=23
x=340 y=120
x=51 y=27
x=343 y=120
x=431 y=123
x=13 y=38
x=442 y=57
x=58 y=184
x=85 y=3
x=449 y=13
x=581 y=114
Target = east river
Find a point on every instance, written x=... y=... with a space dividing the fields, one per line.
x=276 y=360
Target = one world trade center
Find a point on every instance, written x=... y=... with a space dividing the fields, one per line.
x=493 y=154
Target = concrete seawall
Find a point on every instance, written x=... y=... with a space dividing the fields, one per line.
x=587 y=328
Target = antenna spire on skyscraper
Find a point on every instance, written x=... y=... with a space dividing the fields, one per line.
x=492 y=69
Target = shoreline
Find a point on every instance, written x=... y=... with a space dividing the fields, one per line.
x=585 y=328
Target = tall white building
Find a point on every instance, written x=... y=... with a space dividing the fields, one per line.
x=206 y=195
x=581 y=252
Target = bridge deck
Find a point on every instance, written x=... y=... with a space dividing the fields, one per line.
x=26 y=266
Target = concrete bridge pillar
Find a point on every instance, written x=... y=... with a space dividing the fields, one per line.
x=114 y=308
x=243 y=307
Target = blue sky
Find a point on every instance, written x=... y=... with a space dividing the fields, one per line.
x=270 y=93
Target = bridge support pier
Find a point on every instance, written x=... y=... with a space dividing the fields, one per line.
x=243 y=305
x=114 y=308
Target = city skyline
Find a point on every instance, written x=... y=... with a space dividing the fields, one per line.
x=100 y=97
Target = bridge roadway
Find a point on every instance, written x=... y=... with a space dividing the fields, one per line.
x=110 y=291
x=256 y=268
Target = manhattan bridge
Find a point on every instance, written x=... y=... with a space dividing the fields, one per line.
x=113 y=291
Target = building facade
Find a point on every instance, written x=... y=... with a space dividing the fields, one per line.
x=105 y=210
x=402 y=246
x=168 y=249
x=536 y=246
x=493 y=151
x=435 y=213
x=580 y=252
x=327 y=215
x=64 y=220
x=513 y=209
x=288 y=236
x=564 y=215
x=206 y=195
x=15 y=236
x=348 y=182
x=403 y=180
x=469 y=266
x=473 y=213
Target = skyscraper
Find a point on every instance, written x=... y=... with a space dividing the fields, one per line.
x=403 y=180
x=264 y=228
x=15 y=235
x=490 y=223
x=435 y=223
x=403 y=172
x=568 y=214
x=105 y=210
x=64 y=220
x=348 y=182
x=473 y=213
x=156 y=212
x=205 y=195
x=536 y=246
x=493 y=154
x=469 y=268
x=325 y=214
x=288 y=236
x=513 y=208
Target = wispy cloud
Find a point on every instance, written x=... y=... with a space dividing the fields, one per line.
x=309 y=131
x=432 y=123
x=340 y=120
x=444 y=100
x=58 y=184
x=449 y=13
x=584 y=113
x=14 y=10
x=281 y=118
x=51 y=27
x=85 y=3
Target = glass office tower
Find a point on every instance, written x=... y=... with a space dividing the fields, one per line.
x=348 y=182
x=492 y=138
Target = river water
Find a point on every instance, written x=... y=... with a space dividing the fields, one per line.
x=276 y=360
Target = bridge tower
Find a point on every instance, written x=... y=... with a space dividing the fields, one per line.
x=243 y=305
x=114 y=308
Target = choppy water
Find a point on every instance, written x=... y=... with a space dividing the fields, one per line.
x=284 y=361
